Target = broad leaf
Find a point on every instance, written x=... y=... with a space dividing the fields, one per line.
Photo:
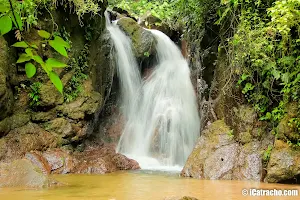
x=56 y=81
x=20 y=44
x=30 y=70
x=38 y=59
x=44 y=34
x=61 y=42
x=55 y=63
x=23 y=58
x=4 y=8
x=5 y=24
x=58 y=47
x=29 y=52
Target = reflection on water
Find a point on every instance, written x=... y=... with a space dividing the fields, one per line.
x=139 y=185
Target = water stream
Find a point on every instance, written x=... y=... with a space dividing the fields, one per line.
x=162 y=122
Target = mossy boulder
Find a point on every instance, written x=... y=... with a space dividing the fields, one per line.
x=60 y=126
x=15 y=121
x=286 y=129
x=49 y=95
x=219 y=155
x=143 y=41
x=284 y=163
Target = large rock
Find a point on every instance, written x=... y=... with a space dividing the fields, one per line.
x=22 y=173
x=15 y=121
x=142 y=40
x=98 y=160
x=284 y=164
x=82 y=107
x=24 y=139
x=6 y=96
x=49 y=95
x=219 y=155
x=286 y=129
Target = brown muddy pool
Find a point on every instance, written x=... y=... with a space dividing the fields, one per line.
x=140 y=185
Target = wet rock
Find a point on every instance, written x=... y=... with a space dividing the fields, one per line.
x=39 y=161
x=22 y=173
x=49 y=95
x=284 y=164
x=60 y=161
x=25 y=139
x=98 y=160
x=43 y=116
x=13 y=122
x=82 y=106
x=6 y=96
x=218 y=155
x=60 y=126
x=102 y=160
x=142 y=40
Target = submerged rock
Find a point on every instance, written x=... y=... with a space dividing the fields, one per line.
x=284 y=164
x=181 y=198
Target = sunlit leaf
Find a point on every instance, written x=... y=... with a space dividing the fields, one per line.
x=56 y=81
x=38 y=59
x=23 y=58
x=30 y=70
x=44 y=34
x=20 y=44
x=58 y=47
x=29 y=52
x=55 y=63
x=61 y=42
x=5 y=24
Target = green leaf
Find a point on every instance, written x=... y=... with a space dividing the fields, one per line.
x=34 y=46
x=44 y=34
x=38 y=59
x=62 y=42
x=30 y=70
x=18 y=23
x=4 y=8
x=29 y=52
x=23 y=58
x=5 y=24
x=55 y=63
x=58 y=47
x=20 y=44
x=56 y=81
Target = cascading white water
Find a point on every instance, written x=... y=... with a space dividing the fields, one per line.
x=162 y=122
x=127 y=68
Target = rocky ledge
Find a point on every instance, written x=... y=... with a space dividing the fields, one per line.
x=32 y=171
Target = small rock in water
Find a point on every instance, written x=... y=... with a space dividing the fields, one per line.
x=181 y=198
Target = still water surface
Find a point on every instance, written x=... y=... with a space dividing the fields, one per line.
x=140 y=185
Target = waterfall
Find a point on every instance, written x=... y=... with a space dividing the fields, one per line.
x=127 y=68
x=162 y=122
